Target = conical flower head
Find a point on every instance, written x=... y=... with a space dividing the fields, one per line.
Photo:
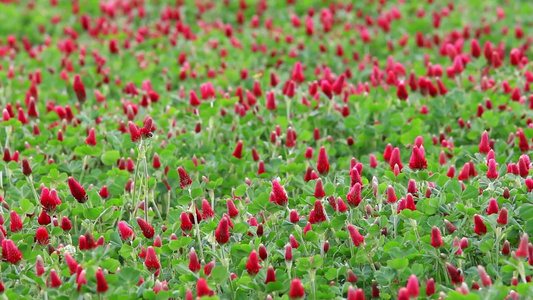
x=418 y=159
x=479 y=226
x=297 y=290
x=207 y=211
x=101 y=283
x=194 y=264
x=322 y=164
x=15 y=222
x=253 y=266
x=41 y=236
x=413 y=287
x=71 y=263
x=436 y=238
x=151 y=262
x=79 y=88
x=357 y=238
x=484 y=146
x=77 y=191
x=202 y=289
x=39 y=266
x=502 y=217
x=238 y=150
x=354 y=195
x=455 y=276
x=492 y=173
x=126 y=233
x=522 y=250
x=147 y=229
x=185 y=180
x=317 y=215
x=222 y=231
x=186 y=223
x=280 y=196
x=55 y=281
x=10 y=252
x=271 y=275
x=135 y=132
x=232 y=210
x=319 y=189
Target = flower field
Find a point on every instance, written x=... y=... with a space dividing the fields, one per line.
x=280 y=149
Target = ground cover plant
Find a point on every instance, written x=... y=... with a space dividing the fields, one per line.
x=284 y=149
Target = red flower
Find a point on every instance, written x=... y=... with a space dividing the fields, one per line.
x=41 y=236
x=391 y=195
x=193 y=98
x=322 y=165
x=493 y=207
x=222 y=231
x=401 y=92
x=77 y=191
x=202 y=289
x=271 y=275
x=126 y=233
x=65 y=224
x=449 y=227
x=430 y=287
x=355 y=177
x=263 y=252
x=186 y=223
x=502 y=217
x=436 y=239
x=492 y=173
x=484 y=146
x=11 y=252
x=81 y=279
x=297 y=289
x=15 y=222
x=151 y=262
x=147 y=229
x=410 y=202
x=135 y=132
x=207 y=211
x=71 y=263
x=522 y=250
x=280 y=197
x=91 y=138
x=194 y=264
x=357 y=238
x=44 y=218
x=39 y=266
x=395 y=159
x=317 y=215
x=104 y=193
x=412 y=286
x=352 y=278
x=455 y=276
x=288 y=252
x=354 y=195
x=185 y=180
x=465 y=172
x=238 y=150
x=232 y=210
x=293 y=216
x=355 y=294
x=55 y=281
x=319 y=189
x=485 y=279
x=418 y=160
x=79 y=88
x=26 y=168
x=253 y=266
x=479 y=225
x=101 y=283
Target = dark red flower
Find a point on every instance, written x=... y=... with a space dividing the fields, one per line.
x=418 y=159
x=354 y=195
x=135 y=132
x=55 y=281
x=185 y=180
x=126 y=233
x=479 y=225
x=15 y=222
x=194 y=264
x=455 y=276
x=151 y=262
x=280 y=197
x=79 y=88
x=357 y=238
x=271 y=275
x=253 y=266
x=238 y=150
x=10 y=252
x=297 y=289
x=147 y=229
x=77 y=191
x=222 y=231
x=322 y=164
x=232 y=210
x=101 y=283
x=202 y=289
x=207 y=211
x=436 y=239
x=41 y=236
